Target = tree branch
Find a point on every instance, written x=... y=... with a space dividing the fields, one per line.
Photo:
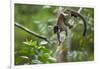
x=31 y=32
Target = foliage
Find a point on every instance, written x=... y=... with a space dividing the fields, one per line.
x=32 y=53
x=41 y=19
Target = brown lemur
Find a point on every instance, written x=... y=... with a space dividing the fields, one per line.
x=61 y=22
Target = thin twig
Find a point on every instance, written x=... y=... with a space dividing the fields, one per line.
x=79 y=10
x=31 y=32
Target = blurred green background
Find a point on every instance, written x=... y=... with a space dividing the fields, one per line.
x=41 y=19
